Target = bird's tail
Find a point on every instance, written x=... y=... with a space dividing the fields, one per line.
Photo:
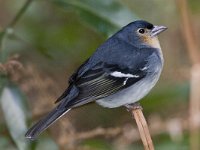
x=44 y=123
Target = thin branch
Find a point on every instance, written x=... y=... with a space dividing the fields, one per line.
x=137 y=113
x=124 y=135
x=20 y=13
x=110 y=132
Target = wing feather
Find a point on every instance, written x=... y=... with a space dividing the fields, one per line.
x=97 y=84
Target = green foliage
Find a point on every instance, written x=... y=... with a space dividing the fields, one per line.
x=163 y=142
x=105 y=16
x=2 y=54
x=15 y=114
x=46 y=144
x=178 y=94
x=1 y=36
x=97 y=144
x=5 y=144
x=194 y=4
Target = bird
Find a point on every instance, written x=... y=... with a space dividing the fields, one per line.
x=120 y=72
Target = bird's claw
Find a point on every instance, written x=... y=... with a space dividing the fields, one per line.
x=133 y=106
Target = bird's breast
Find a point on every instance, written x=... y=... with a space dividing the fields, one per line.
x=139 y=89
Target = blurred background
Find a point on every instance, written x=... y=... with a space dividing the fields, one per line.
x=43 y=42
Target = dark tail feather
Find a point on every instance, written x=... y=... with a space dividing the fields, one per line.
x=44 y=123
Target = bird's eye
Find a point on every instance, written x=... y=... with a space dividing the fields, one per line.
x=141 y=31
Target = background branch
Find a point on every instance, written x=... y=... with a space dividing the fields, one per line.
x=20 y=13
x=136 y=111
x=187 y=31
x=192 y=47
x=8 y=29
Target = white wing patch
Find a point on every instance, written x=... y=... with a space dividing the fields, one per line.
x=144 y=68
x=122 y=75
x=124 y=83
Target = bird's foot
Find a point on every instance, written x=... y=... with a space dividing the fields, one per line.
x=131 y=107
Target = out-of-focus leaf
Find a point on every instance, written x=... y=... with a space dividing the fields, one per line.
x=161 y=97
x=172 y=146
x=97 y=144
x=46 y=144
x=15 y=115
x=164 y=142
x=106 y=16
x=194 y=6
x=5 y=144
x=2 y=34
x=2 y=82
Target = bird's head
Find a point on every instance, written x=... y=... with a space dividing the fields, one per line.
x=142 y=33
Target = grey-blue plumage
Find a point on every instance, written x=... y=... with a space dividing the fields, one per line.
x=121 y=72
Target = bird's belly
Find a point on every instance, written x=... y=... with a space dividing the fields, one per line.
x=130 y=95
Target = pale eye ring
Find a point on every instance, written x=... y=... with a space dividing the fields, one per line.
x=141 y=31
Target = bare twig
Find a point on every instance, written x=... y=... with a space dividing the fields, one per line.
x=136 y=111
x=110 y=132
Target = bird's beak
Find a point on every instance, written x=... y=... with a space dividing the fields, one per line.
x=157 y=29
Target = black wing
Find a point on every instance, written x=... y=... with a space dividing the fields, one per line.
x=100 y=82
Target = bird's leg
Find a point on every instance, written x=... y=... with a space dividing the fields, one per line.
x=136 y=111
x=131 y=107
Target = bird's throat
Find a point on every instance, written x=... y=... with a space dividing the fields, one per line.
x=152 y=41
